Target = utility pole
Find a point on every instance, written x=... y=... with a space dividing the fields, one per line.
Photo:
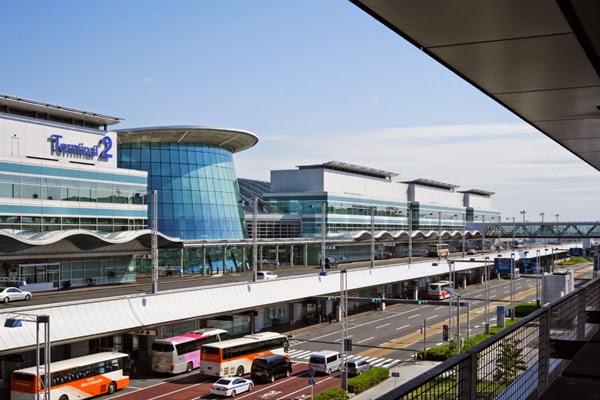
x=346 y=344
x=154 y=241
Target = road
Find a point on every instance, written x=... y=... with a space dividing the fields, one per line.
x=384 y=338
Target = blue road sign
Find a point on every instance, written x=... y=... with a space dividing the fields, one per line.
x=396 y=374
x=311 y=371
x=311 y=381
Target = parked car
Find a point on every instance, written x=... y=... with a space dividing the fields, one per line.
x=227 y=386
x=9 y=294
x=357 y=367
x=471 y=252
x=265 y=275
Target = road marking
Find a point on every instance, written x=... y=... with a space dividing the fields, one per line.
x=412 y=316
x=402 y=327
x=439 y=344
x=438 y=308
x=381 y=326
x=433 y=316
x=372 y=337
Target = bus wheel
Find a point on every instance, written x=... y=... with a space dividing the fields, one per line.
x=240 y=371
x=112 y=388
x=190 y=367
x=64 y=397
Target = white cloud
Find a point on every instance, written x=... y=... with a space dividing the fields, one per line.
x=374 y=100
x=148 y=81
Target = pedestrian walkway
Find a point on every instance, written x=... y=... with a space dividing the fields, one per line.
x=406 y=371
x=304 y=356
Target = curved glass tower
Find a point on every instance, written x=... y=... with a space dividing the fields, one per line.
x=192 y=169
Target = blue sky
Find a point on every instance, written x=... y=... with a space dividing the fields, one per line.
x=314 y=80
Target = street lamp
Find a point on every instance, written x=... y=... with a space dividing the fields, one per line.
x=557 y=230
x=538 y=278
x=410 y=234
x=16 y=322
x=323 y=205
x=486 y=273
x=154 y=241
x=512 y=286
x=542 y=214
x=523 y=212
x=254 y=237
x=372 y=236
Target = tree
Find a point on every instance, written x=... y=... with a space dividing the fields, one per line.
x=509 y=362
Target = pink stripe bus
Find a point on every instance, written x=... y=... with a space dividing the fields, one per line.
x=181 y=353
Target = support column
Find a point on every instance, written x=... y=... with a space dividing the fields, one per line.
x=276 y=256
x=244 y=259
x=416 y=291
x=203 y=259
x=305 y=254
x=181 y=262
x=291 y=255
x=224 y=259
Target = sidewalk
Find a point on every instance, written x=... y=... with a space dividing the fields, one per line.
x=407 y=370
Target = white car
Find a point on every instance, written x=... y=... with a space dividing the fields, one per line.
x=230 y=386
x=265 y=275
x=9 y=294
x=471 y=252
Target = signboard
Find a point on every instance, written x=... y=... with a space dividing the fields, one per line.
x=311 y=381
x=576 y=252
x=597 y=262
x=329 y=247
x=395 y=374
x=500 y=310
x=445 y=333
x=502 y=265
x=311 y=372
x=389 y=244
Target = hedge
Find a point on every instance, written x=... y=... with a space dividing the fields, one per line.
x=332 y=394
x=368 y=379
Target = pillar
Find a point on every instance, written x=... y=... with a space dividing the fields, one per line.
x=291 y=255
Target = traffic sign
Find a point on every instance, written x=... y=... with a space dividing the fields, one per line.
x=395 y=374
x=311 y=372
x=311 y=381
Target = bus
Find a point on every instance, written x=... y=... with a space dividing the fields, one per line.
x=235 y=356
x=181 y=353
x=438 y=250
x=75 y=378
x=437 y=290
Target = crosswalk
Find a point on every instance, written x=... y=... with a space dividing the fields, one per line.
x=304 y=355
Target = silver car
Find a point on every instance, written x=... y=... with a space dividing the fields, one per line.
x=9 y=294
x=357 y=367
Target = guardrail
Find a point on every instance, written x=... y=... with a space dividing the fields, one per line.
x=519 y=362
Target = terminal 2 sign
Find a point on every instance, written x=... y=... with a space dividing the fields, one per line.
x=101 y=150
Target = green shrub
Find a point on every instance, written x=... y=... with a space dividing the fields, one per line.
x=331 y=394
x=523 y=309
x=368 y=379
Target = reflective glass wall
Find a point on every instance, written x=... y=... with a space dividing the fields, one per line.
x=197 y=188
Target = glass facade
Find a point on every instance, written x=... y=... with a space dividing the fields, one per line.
x=198 y=192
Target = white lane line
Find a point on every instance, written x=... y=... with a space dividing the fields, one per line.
x=402 y=327
x=433 y=316
x=413 y=316
x=381 y=326
x=364 y=340
x=438 y=308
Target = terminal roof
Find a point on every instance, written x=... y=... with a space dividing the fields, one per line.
x=356 y=169
x=478 y=191
x=234 y=140
x=64 y=114
x=435 y=184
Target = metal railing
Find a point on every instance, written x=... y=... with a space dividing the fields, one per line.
x=519 y=362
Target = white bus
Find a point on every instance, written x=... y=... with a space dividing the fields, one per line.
x=438 y=250
x=437 y=290
x=181 y=353
x=235 y=356
x=76 y=378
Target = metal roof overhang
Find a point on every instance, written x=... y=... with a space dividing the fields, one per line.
x=235 y=140
x=538 y=58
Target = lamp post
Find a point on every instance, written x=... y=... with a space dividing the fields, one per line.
x=372 y=236
x=154 y=241
x=538 y=278
x=451 y=278
x=542 y=214
x=254 y=237
x=523 y=212
x=410 y=234
x=512 y=286
x=440 y=235
x=16 y=322
x=486 y=273
x=557 y=231
x=323 y=205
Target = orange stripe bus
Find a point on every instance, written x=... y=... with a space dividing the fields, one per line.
x=235 y=356
x=76 y=378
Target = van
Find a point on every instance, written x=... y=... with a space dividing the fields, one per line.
x=269 y=368
x=325 y=362
x=437 y=290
